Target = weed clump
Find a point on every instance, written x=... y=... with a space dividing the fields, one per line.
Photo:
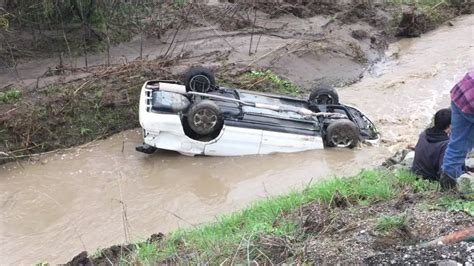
x=456 y=205
x=10 y=96
x=386 y=223
x=268 y=80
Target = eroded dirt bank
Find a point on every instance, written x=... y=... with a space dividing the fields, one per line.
x=51 y=104
x=63 y=106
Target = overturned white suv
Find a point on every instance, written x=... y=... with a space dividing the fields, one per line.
x=198 y=117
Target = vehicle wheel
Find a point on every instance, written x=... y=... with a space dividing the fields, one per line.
x=199 y=79
x=204 y=117
x=342 y=133
x=323 y=95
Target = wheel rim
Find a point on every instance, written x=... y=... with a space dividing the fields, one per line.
x=324 y=99
x=200 y=83
x=205 y=120
x=341 y=139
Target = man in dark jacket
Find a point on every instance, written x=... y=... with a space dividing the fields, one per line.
x=432 y=143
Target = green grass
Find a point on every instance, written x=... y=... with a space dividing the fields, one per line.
x=222 y=239
x=419 y=185
x=10 y=96
x=386 y=223
x=146 y=252
x=180 y=3
x=456 y=205
x=97 y=253
x=276 y=82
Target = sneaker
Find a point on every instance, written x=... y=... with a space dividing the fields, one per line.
x=447 y=183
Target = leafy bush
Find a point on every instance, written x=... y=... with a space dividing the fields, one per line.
x=10 y=96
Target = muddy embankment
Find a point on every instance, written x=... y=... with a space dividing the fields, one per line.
x=76 y=199
x=49 y=104
x=365 y=228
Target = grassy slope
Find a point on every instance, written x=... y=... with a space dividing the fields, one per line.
x=236 y=237
x=65 y=115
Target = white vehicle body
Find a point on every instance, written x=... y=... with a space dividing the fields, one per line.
x=165 y=131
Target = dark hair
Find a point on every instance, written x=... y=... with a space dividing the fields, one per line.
x=442 y=119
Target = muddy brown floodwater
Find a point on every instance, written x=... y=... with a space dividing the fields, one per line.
x=71 y=201
x=77 y=199
x=406 y=90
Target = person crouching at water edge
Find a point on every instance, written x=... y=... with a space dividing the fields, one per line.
x=431 y=145
x=461 y=141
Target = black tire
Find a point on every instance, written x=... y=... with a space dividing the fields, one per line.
x=323 y=95
x=204 y=118
x=342 y=133
x=199 y=79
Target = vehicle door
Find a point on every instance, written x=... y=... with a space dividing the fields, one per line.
x=288 y=142
x=236 y=141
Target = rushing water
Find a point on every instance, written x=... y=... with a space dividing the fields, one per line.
x=83 y=198
x=415 y=82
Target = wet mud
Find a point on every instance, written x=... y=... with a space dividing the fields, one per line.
x=246 y=40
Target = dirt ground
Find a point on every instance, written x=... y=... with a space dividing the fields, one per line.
x=350 y=234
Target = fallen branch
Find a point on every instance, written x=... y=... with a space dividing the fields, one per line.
x=9 y=111
x=265 y=55
x=455 y=237
x=256 y=82
x=215 y=31
x=10 y=156
x=438 y=4
x=253 y=28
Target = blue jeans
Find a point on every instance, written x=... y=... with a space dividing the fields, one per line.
x=460 y=143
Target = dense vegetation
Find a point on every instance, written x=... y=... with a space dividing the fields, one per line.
x=73 y=27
